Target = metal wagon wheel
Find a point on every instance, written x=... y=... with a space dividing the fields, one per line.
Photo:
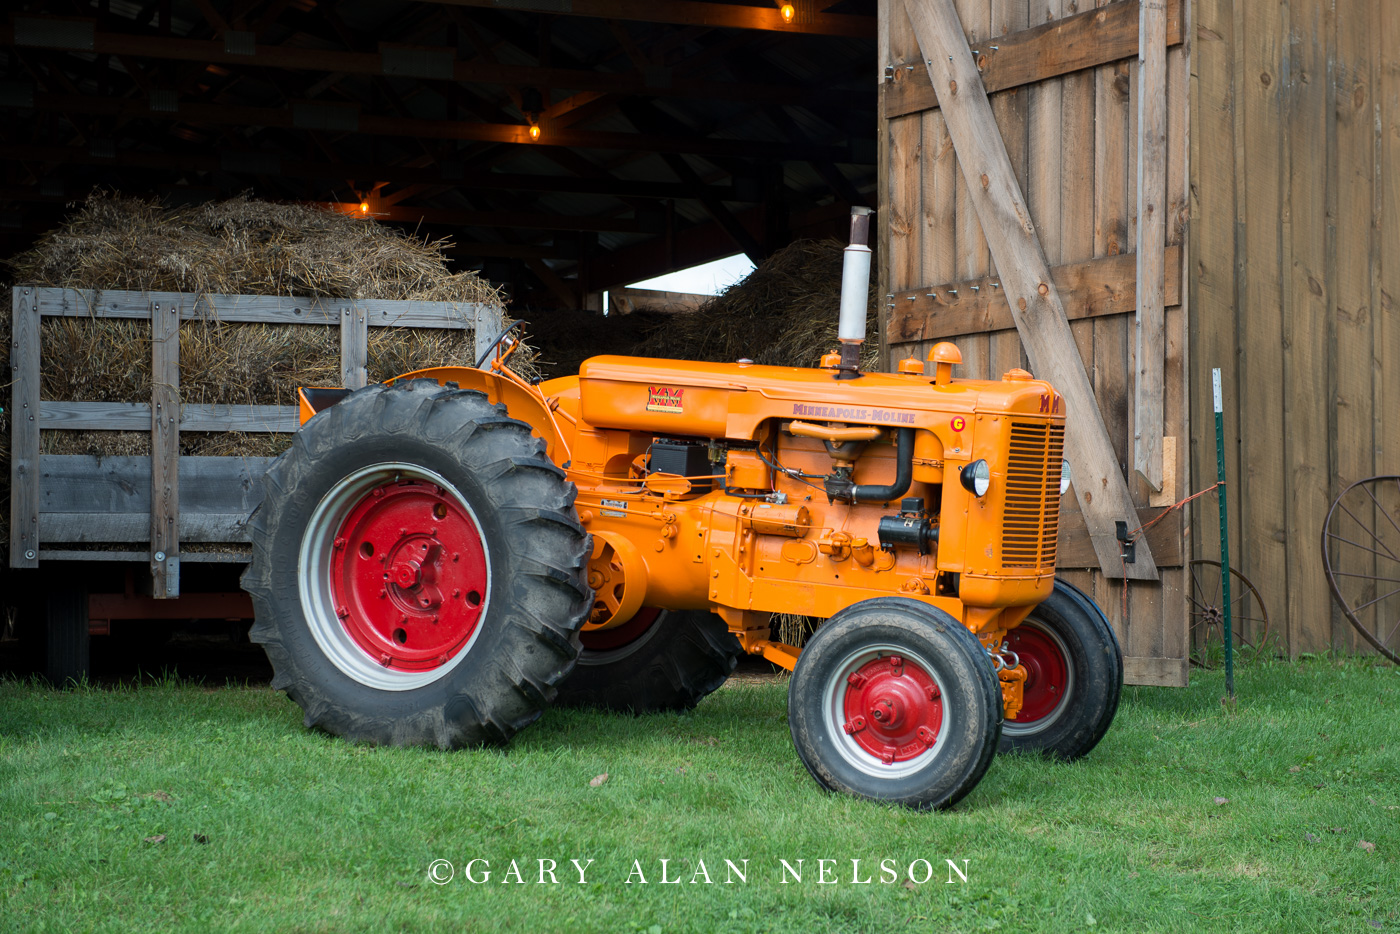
x=1361 y=554
x=1247 y=611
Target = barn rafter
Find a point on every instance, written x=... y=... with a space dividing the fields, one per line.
x=669 y=132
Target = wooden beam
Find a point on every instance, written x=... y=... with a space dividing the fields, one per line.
x=461 y=218
x=260 y=309
x=1025 y=274
x=165 y=449
x=625 y=301
x=79 y=528
x=691 y=13
x=306 y=115
x=194 y=416
x=716 y=208
x=24 y=430
x=136 y=557
x=490 y=320
x=1075 y=549
x=1155 y=672
x=476 y=71
x=1091 y=289
x=445 y=174
x=354 y=347
x=567 y=297
x=511 y=251
x=1084 y=40
x=1148 y=426
x=80 y=484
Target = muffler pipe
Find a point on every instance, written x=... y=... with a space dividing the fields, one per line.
x=855 y=293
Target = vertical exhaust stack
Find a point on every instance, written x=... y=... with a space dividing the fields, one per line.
x=855 y=294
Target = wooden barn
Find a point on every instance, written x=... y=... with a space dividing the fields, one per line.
x=1123 y=196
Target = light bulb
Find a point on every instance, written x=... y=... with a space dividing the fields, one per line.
x=534 y=132
x=364 y=207
x=788 y=12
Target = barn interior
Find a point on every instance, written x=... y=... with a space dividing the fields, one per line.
x=566 y=147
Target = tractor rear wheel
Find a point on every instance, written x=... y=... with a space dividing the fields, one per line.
x=418 y=570
x=895 y=700
x=658 y=660
x=1074 y=676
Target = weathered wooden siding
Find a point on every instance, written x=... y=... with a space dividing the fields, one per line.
x=1068 y=118
x=1295 y=265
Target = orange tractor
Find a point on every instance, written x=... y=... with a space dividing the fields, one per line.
x=440 y=557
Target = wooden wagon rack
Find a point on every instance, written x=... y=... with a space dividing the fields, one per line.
x=68 y=507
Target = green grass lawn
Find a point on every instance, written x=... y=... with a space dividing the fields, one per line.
x=173 y=806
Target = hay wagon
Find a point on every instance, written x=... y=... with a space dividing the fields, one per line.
x=159 y=536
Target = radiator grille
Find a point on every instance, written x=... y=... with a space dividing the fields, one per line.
x=1031 y=522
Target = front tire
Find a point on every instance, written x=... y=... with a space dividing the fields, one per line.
x=418 y=571
x=1074 y=677
x=894 y=700
x=658 y=660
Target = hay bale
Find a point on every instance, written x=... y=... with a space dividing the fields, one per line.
x=784 y=313
x=241 y=247
x=235 y=247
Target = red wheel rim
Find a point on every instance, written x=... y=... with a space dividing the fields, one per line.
x=1047 y=673
x=409 y=575
x=893 y=709
x=605 y=640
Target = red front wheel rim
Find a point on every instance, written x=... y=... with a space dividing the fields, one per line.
x=886 y=712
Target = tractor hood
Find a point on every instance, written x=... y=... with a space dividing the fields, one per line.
x=730 y=400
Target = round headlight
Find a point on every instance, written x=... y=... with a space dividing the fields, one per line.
x=976 y=478
x=1064 y=477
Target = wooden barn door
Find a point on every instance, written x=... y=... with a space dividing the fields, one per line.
x=1015 y=134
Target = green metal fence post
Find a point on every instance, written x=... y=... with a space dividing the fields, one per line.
x=1224 y=533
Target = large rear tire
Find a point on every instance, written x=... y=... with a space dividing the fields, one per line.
x=1074 y=677
x=418 y=570
x=895 y=700
x=658 y=660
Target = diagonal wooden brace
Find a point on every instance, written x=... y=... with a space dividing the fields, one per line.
x=1025 y=275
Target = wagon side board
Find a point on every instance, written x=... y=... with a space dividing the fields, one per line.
x=142 y=509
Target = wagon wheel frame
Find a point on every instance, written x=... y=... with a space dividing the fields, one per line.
x=1332 y=574
x=1206 y=615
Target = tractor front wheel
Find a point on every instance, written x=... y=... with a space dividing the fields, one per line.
x=658 y=660
x=418 y=570
x=895 y=700
x=1074 y=677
